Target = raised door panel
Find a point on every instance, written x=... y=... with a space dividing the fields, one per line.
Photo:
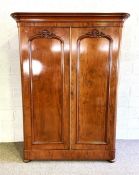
x=91 y=73
x=49 y=87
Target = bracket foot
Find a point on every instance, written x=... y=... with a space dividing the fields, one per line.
x=26 y=161
x=112 y=161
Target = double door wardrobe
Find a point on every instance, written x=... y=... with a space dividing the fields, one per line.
x=69 y=73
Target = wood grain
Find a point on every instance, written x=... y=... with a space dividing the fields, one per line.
x=92 y=89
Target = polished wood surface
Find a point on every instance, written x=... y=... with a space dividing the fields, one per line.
x=65 y=17
x=50 y=87
x=92 y=83
x=69 y=71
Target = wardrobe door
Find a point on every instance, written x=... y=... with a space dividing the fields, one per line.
x=46 y=65
x=92 y=114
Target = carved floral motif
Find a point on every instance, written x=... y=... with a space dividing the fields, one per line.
x=46 y=34
x=95 y=33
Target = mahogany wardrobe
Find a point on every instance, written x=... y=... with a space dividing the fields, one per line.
x=69 y=72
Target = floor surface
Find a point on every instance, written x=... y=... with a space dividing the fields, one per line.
x=127 y=162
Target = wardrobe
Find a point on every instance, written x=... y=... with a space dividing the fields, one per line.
x=69 y=73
